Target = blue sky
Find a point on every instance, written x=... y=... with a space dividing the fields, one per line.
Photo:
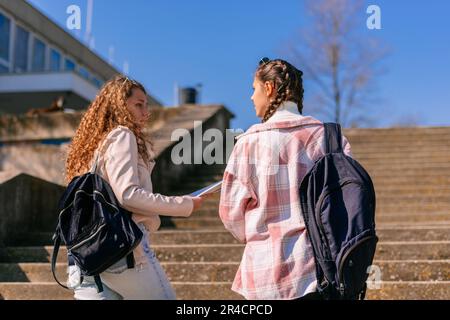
x=218 y=44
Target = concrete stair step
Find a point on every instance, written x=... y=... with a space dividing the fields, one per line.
x=384 y=203
x=401 y=142
x=406 y=174
x=395 y=290
x=394 y=131
x=406 y=157
x=215 y=224
x=415 y=290
x=442 y=161
x=385 y=134
x=402 y=250
x=371 y=164
x=443 y=199
x=397 y=207
x=203 y=218
x=164 y=237
x=411 y=184
x=428 y=270
x=368 y=151
x=400 y=146
x=384 y=137
x=384 y=169
x=422 y=192
x=211 y=219
x=361 y=137
x=443 y=168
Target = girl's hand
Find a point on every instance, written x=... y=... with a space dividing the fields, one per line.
x=197 y=203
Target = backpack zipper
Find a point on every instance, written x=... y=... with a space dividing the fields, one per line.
x=341 y=264
x=98 y=192
x=89 y=194
x=318 y=218
x=87 y=239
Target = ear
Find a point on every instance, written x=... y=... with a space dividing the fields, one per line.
x=269 y=88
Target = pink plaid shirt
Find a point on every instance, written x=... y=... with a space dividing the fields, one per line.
x=260 y=204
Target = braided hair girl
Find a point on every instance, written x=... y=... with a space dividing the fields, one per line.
x=275 y=82
x=260 y=202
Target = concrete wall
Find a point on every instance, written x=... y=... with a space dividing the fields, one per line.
x=27 y=204
x=166 y=174
x=35 y=159
x=60 y=125
x=24 y=151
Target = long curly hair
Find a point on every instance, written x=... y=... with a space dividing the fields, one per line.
x=107 y=111
x=287 y=81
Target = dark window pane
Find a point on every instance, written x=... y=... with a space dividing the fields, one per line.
x=5 y=27
x=84 y=73
x=69 y=65
x=3 y=69
x=98 y=83
x=21 y=50
x=38 y=56
x=55 y=60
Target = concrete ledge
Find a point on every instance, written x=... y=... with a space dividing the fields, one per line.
x=391 y=270
x=27 y=204
x=221 y=291
x=402 y=250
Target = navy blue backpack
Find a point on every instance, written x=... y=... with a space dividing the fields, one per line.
x=338 y=205
x=97 y=231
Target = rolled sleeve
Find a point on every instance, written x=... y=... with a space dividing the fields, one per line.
x=236 y=193
x=234 y=200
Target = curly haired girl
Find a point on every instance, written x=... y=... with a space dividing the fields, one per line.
x=111 y=131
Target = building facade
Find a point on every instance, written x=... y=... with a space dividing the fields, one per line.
x=40 y=61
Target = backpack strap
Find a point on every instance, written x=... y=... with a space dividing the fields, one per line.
x=95 y=163
x=56 y=246
x=333 y=138
x=96 y=156
x=130 y=260
x=98 y=282
x=362 y=295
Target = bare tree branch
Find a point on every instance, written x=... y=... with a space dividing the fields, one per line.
x=342 y=63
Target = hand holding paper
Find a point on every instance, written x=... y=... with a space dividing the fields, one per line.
x=215 y=187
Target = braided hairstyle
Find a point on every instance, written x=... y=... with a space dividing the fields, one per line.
x=287 y=81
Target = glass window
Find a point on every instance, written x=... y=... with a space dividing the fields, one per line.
x=21 y=50
x=5 y=26
x=3 y=69
x=55 y=60
x=84 y=73
x=38 y=63
x=69 y=65
x=98 y=83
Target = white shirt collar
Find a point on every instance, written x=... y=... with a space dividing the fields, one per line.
x=286 y=111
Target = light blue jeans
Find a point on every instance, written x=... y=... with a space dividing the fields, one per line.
x=146 y=281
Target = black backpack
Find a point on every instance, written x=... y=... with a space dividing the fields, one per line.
x=338 y=205
x=96 y=230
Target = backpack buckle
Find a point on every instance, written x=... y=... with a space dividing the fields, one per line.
x=324 y=289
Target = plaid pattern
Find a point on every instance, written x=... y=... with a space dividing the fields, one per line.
x=260 y=206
